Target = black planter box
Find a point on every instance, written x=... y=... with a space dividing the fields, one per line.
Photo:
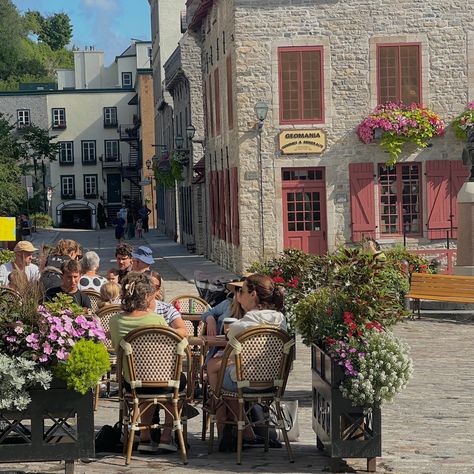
x=57 y=425
x=342 y=430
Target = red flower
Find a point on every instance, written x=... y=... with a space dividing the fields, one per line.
x=278 y=279
x=348 y=317
x=330 y=341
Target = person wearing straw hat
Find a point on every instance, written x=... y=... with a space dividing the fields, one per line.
x=23 y=256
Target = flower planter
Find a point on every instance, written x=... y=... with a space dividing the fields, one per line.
x=57 y=425
x=342 y=430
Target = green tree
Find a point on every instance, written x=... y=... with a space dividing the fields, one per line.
x=11 y=33
x=56 y=31
x=12 y=194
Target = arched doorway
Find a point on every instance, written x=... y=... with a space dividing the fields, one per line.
x=76 y=214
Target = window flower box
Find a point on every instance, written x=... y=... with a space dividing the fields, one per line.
x=463 y=122
x=398 y=124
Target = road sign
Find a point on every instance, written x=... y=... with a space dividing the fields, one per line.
x=7 y=229
x=145 y=182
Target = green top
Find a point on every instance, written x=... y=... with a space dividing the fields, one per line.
x=121 y=324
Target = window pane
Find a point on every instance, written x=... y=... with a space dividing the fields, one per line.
x=410 y=80
x=311 y=71
x=388 y=73
x=289 y=85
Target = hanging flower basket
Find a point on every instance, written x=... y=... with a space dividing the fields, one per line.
x=463 y=122
x=397 y=124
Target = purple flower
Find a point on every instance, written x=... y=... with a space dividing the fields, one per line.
x=11 y=338
x=352 y=350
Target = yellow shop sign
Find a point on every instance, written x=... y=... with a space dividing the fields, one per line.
x=302 y=141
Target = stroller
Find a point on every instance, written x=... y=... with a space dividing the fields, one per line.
x=211 y=289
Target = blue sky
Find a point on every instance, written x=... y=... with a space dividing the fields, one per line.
x=106 y=24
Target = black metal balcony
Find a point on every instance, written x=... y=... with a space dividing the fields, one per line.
x=128 y=132
x=111 y=161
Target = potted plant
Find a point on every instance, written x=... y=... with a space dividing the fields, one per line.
x=463 y=122
x=398 y=124
x=168 y=171
x=357 y=363
x=51 y=357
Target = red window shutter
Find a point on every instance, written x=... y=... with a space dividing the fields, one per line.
x=459 y=174
x=230 y=95
x=438 y=199
x=221 y=206
x=211 y=107
x=228 y=226
x=216 y=204
x=235 y=206
x=211 y=201
x=217 y=101
x=361 y=177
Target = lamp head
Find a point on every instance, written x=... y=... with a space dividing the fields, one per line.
x=190 y=131
x=178 y=141
x=261 y=110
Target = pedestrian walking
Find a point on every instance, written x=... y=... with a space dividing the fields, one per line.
x=130 y=224
x=119 y=224
x=139 y=228
x=143 y=213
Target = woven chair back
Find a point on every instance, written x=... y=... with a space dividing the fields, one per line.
x=191 y=304
x=104 y=315
x=95 y=299
x=154 y=358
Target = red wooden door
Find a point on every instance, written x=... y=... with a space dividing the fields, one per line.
x=304 y=210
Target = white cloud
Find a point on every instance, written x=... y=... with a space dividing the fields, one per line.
x=104 y=5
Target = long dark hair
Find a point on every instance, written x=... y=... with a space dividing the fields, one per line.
x=270 y=296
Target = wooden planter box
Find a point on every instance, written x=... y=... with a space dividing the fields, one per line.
x=57 y=425
x=342 y=430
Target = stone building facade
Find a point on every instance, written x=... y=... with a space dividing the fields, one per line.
x=321 y=67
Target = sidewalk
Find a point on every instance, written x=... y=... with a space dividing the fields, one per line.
x=185 y=263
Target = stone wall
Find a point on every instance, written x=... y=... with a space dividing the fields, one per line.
x=349 y=33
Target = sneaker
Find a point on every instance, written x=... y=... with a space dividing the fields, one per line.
x=167 y=448
x=148 y=447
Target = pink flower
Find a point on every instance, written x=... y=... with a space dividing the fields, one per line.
x=47 y=349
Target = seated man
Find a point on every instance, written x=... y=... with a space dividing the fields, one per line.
x=71 y=274
x=23 y=256
x=123 y=254
x=142 y=259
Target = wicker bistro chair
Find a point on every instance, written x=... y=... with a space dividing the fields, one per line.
x=262 y=357
x=191 y=307
x=94 y=297
x=154 y=356
x=103 y=315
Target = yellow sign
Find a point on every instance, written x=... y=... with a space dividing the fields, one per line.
x=302 y=141
x=7 y=228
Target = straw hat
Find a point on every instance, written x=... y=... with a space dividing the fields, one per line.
x=237 y=284
x=24 y=246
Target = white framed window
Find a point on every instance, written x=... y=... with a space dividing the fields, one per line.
x=90 y=185
x=88 y=152
x=59 y=118
x=67 y=187
x=66 y=153
x=23 y=117
x=110 y=117
x=111 y=150
x=126 y=79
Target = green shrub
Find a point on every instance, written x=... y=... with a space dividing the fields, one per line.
x=41 y=220
x=6 y=256
x=87 y=363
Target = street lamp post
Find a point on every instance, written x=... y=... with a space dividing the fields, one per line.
x=261 y=110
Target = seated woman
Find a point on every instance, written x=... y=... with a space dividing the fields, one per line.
x=229 y=308
x=262 y=301
x=171 y=315
x=90 y=279
x=138 y=303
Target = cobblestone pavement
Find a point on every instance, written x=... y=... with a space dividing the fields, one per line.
x=428 y=429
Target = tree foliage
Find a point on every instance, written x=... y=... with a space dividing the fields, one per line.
x=17 y=153
x=22 y=58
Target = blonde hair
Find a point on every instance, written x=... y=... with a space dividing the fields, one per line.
x=109 y=292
